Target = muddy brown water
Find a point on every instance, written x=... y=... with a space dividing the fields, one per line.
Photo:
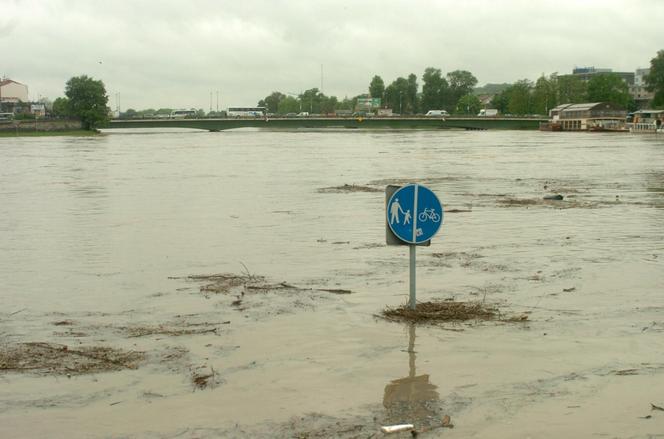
x=99 y=238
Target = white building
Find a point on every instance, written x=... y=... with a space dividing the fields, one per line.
x=12 y=91
x=641 y=96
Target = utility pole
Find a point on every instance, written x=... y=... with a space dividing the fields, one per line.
x=217 y=102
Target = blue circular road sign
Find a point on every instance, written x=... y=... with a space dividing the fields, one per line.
x=414 y=213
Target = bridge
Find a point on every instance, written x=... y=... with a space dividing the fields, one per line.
x=398 y=123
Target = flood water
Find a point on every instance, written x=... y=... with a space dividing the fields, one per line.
x=102 y=233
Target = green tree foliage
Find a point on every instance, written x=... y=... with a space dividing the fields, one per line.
x=396 y=96
x=655 y=79
x=500 y=101
x=434 y=89
x=87 y=101
x=271 y=102
x=413 y=101
x=468 y=104
x=518 y=98
x=289 y=104
x=571 y=89
x=461 y=83
x=544 y=95
x=60 y=108
x=129 y=114
x=346 y=104
x=609 y=87
x=311 y=100
x=491 y=89
x=328 y=104
x=377 y=87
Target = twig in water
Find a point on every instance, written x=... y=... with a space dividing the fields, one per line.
x=246 y=270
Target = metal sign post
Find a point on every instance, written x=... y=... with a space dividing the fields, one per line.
x=413 y=301
x=414 y=215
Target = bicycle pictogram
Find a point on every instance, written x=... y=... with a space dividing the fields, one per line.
x=428 y=214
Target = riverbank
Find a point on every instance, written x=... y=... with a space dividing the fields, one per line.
x=37 y=128
x=70 y=133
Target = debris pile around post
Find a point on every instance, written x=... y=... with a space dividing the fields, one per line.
x=448 y=311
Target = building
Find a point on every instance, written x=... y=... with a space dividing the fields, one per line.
x=12 y=91
x=586 y=73
x=642 y=97
x=646 y=121
x=634 y=80
x=589 y=116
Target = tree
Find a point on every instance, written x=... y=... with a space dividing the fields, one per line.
x=518 y=96
x=60 y=108
x=87 y=101
x=544 y=95
x=396 y=95
x=434 y=89
x=500 y=101
x=346 y=104
x=311 y=100
x=655 y=79
x=461 y=83
x=571 y=89
x=609 y=87
x=413 y=104
x=289 y=104
x=377 y=87
x=328 y=104
x=271 y=102
x=129 y=114
x=468 y=104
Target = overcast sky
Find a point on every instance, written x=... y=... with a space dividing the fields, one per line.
x=175 y=53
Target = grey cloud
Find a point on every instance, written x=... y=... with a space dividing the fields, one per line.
x=174 y=53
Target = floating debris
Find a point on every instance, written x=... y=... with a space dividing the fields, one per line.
x=335 y=290
x=173 y=330
x=396 y=428
x=58 y=359
x=445 y=311
x=348 y=188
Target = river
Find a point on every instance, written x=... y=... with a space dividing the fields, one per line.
x=101 y=234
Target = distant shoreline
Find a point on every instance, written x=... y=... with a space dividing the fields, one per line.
x=74 y=133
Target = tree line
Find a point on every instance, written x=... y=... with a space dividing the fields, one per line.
x=456 y=92
x=526 y=97
x=86 y=99
x=402 y=95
